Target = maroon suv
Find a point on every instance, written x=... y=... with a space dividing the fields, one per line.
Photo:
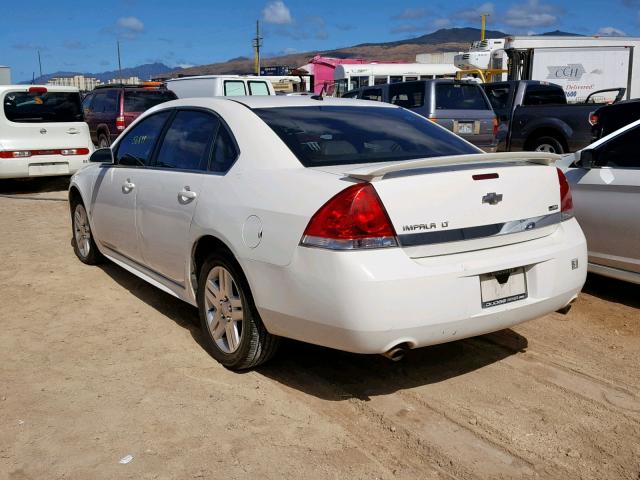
x=110 y=109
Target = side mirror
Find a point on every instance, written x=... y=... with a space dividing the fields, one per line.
x=587 y=159
x=102 y=155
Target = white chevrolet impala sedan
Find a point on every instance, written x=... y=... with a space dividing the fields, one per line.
x=351 y=224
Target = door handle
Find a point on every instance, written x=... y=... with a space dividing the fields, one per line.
x=186 y=195
x=73 y=131
x=128 y=186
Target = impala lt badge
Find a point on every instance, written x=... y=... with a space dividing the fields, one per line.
x=492 y=198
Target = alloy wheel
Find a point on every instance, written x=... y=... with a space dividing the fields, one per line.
x=224 y=309
x=81 y=230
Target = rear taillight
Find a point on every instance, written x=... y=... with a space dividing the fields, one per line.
x=566 y=200
x=120 y=123
x=55 y=151
x=593 y=118
x=74 y=151
x=353 y=219
x=15 y=154
x=495 y=126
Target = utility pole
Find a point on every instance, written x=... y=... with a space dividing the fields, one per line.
x=40 y=62
x=483 y=25
x=257 y=43
x=119 y=64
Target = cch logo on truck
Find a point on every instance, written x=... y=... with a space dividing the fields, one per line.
x=571 y=71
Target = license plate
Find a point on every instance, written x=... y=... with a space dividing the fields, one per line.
x=465 y=127
x=505 y=286
x=48 y=169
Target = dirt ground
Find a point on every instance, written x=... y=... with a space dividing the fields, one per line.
x=96 y=365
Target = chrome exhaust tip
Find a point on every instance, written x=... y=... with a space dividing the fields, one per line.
x=395 y=354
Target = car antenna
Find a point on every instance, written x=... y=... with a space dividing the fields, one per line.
x=319 y=96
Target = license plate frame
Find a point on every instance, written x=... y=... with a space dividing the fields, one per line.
x=514 y=289
x=465 y=128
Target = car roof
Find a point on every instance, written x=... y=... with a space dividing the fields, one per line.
x=25 y=88
x=273 y=101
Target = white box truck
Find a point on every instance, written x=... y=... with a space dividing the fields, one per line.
x=581 y=65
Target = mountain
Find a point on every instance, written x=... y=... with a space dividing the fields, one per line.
x=443 y=40
x=144 y=72
x=559 y=33
x=444 y=35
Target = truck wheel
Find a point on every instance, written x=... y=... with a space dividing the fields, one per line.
x=546 y=144
x=103 y=141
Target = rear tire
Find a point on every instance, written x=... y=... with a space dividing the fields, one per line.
x=546 y=144
x=82 y=241
x=103 y=141
x=232 y=330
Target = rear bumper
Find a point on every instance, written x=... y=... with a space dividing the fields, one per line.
x=370 y=301
x=41 y=166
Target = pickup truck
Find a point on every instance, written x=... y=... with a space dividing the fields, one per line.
x=535 y=116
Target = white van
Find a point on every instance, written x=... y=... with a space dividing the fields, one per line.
x=42 y=131
x=220 y=86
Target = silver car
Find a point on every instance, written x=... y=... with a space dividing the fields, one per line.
x=458 y=105
x=605 y=182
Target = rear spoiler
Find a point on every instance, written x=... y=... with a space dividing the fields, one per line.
x=371 y=173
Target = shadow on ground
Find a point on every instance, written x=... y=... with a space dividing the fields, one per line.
x=613 y=290
x=22 y=186
x=335 y=375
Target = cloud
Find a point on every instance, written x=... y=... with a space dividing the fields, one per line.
x=408 y=28
x=473 y=14
x=277 y=12
x=132 y=25
x=411 y=14
x=74 y=45
x=532 y=14
x=441 y=23
x=610 y=32
x=186 y=65
x=315 y=26
x=28 y=46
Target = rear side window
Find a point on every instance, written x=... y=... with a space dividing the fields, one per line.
x=25 y=107
x=105 y=102
x=372 y=94
x=407 y=95
x=142 y=100
x=457 y=96
x=136 y=148
x=258 y=88
x=187 y=143
x=224 y=152
x=336 y=135
x=233 y=88
x=544 y=95
x=498 y=96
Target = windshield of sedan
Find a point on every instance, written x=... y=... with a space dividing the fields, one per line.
x=335 y=135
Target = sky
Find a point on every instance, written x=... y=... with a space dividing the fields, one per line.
x=74 y=36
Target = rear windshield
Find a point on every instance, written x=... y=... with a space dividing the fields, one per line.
x=456 y=96
x=343 y=135
x=43 y=107
x=141 y=100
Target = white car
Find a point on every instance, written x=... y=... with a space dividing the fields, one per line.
x=352 y=224
x=220 y=85
x=605 y=180
x=42 y=131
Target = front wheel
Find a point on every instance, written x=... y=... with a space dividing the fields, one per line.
x=231 y=326
x=83 y=243
x=547 y=144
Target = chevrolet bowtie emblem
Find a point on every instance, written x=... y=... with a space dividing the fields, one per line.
x=492 y=198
